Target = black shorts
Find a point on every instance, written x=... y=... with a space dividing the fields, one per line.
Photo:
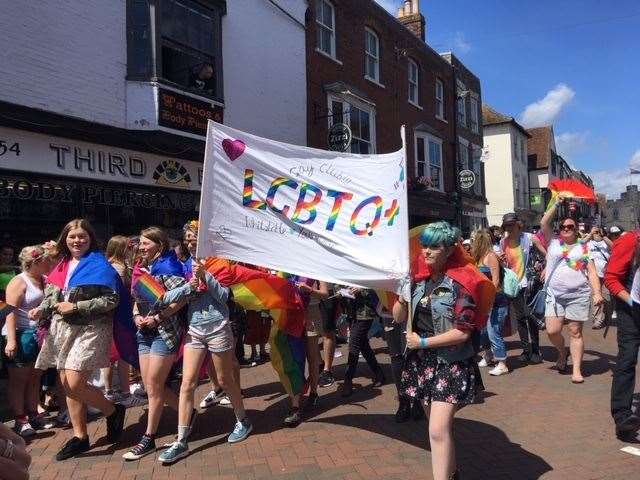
x=328 y=313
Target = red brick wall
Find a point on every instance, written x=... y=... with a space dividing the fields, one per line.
x=392 y=106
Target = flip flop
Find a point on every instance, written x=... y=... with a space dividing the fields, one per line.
x=577 y=382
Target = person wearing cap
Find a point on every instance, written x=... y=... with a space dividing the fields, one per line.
x=621 y=278
x=614 y=233
x=515 y=249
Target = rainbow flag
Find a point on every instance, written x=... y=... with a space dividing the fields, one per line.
x=147 y=288
x=287 y=357
x=5 y=309
x=386 y=300
x=265 y=294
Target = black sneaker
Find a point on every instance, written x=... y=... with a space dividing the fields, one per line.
x=264 y=357
x=535 y=359
x=627 y=429
x=326 y=379
x=524 y=357
x=404 y=410
x=347 y=389
x=73 y=447
x=379 y=379
x=115 y=423
x=293 y=419
x=146 y=446
x=312 y=401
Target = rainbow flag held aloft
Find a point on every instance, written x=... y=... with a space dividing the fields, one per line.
x=287 y=357
x=147 y=288
x=265 y=294
x=5 y=309
x=386 y=300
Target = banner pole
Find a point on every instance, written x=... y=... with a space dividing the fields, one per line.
x=406 y=192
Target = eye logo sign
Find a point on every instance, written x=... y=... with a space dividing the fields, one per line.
x=171 y=173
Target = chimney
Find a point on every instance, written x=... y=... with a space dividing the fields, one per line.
x=410 y=16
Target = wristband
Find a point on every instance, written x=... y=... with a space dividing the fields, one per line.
x=75 y=308
x=423 y=342
x=630 y=302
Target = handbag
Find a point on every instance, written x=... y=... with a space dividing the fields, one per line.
x=536 y=305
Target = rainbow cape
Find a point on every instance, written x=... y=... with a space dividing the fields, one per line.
x=147 y=288
x=5 y=309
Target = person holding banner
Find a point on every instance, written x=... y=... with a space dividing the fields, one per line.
x=25 y=291
x=159 y=333
x=450 y=300
x=83 y=299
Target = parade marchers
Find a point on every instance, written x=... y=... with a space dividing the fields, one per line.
x=76 y=311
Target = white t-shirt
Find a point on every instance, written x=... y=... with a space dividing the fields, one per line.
x=599 y=252
x=635 y=288
x=565 y=282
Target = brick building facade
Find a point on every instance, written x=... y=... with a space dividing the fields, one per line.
x=368 y=70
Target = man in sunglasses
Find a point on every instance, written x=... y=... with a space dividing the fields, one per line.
x=619 y=279
x=516 y=253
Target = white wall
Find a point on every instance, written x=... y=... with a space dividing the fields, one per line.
x=265 y=69
x=498 y=169
x=66 y=56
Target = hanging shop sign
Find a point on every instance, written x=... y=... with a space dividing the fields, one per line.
x=25 y=151
x=339 y=138
x=466 y=178
x=185 y=113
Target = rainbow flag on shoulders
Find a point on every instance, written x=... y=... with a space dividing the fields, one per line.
x=147 y=288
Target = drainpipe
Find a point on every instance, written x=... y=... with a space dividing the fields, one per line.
x=457 y=191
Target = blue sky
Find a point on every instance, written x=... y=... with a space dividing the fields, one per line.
x=571 y=63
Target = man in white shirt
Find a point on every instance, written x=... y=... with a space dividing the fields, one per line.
x=600 y=251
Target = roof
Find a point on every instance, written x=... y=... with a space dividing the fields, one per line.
x=493 y=117
x=539 y=147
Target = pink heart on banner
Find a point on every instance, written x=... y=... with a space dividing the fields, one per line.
x=233 y=148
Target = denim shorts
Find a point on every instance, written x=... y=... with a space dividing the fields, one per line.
x=152 y=343
x=27 y=351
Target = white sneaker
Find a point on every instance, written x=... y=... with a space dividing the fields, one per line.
x=212 y=398
x=483 y=363
x=225 y=400
x=137 y=389
x=499 y=369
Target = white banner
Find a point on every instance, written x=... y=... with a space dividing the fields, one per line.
x=337 y=217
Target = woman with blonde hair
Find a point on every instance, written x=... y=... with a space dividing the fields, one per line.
x=25 y=291
x=489 y=264
x=160 y=332
x=83 y=297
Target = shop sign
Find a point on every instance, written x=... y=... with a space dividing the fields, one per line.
x=43 y=154
x=52 y=191
x=185 y=113
x=467 y=178
x=339 y=138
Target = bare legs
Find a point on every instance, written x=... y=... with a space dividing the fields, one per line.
x=313 y=358
x=24 y=387
x=576 y=344
x=155 y=370
x=443 y=453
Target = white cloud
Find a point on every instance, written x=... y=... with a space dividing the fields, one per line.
x=390 y=6
x=614 y=182
x=546 y=110
x=569 y=144
x=460 y=43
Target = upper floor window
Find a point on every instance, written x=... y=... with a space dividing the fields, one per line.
x=413 y=82
x=428 y=150
x=461 y=107
x=361 y=120
x=326 y=27
x=178 y=42
x=439 y=99
x=473 y=106
x=371 y=55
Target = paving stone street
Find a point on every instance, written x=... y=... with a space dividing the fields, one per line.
x=533 y=423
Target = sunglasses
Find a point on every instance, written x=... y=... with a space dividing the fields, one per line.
x=568 y=227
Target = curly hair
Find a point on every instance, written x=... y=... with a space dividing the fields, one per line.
x=440 y=234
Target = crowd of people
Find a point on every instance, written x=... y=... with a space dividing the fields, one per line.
x=76 y=317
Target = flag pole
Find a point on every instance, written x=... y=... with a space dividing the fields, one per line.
x=406 y=192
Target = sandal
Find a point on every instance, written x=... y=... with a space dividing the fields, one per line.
x=561 y=364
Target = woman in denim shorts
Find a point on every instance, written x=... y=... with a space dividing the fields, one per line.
x=159 y=332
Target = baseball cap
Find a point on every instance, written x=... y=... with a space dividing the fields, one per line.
x=615 y=229
x=510 y=218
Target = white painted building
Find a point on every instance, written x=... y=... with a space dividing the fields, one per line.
x=134 y=82
x=506 y=167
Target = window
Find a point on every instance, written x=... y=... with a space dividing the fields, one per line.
x=476 y=165
x=428 y=151
x=371 y=56
x=325 y=28
x=474 y=114
x=463 y=155
x=361 y=120
x=413 y=82
x=439 y=99
x=178 y=42
x=461 y=109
